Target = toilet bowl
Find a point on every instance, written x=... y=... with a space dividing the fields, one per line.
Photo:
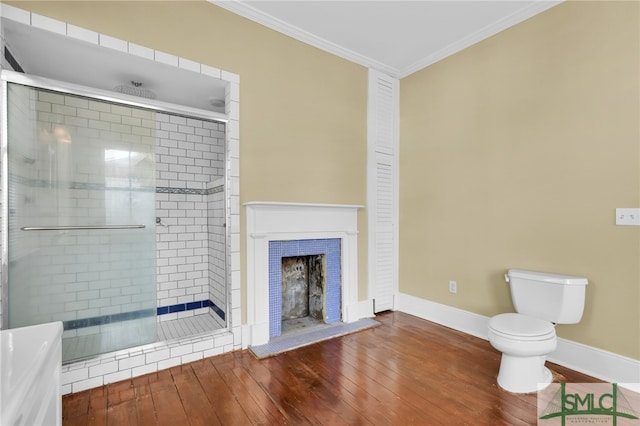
x=525 y=338
x=525 y=343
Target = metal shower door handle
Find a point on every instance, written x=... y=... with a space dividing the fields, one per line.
x=77 y=228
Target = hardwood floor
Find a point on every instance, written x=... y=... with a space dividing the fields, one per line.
x=406 y=371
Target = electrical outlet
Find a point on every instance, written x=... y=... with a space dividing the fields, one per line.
x=628 y=217
x=453 y=287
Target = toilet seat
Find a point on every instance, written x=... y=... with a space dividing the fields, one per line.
x=521 y=327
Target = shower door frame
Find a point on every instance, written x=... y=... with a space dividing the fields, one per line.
x=7 y=77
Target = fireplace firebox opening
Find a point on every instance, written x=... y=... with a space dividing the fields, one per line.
x=303 y=291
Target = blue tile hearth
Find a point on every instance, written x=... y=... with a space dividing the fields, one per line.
x=287 y=342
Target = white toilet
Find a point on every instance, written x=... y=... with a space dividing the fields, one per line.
x=526 y=338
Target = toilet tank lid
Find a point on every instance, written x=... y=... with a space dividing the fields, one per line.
x=546 y=277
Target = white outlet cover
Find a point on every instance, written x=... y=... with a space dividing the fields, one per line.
x=628 y=216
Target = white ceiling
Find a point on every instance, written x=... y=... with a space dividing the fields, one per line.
x=397 y=37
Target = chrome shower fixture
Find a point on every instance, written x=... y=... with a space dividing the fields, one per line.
x=134 y=88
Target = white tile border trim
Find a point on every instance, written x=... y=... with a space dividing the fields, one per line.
x=15 y=14
x=594 y=362
x=133 y=362
x=83 y=34
x=48 y=24
x=141 y=51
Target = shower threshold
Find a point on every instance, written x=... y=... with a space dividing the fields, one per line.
x=83 y=347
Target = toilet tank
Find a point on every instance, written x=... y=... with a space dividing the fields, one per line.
x=551 y=297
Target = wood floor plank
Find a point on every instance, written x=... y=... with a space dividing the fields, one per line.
x=75 y=421
x=332 y=407
x=259 y=408
x=166 y=400
x=141 y=385
x=225 y=405
x=406 y=371
x=193 y=397
x=414 y=397
x=370 y=381
x=310 y=408
x=120 y=392
x=145 y=411
x=448 y=380
x=161 y=381
x=255 y=391
x=329 y=369
x=97 y=414
x=123 y=413
x=286 y=402
x=168 y=407
x=75 y=405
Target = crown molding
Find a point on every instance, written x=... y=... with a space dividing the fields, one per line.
x=242 y=9
x=523 y=14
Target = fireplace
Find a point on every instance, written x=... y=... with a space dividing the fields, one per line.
x=277 y=230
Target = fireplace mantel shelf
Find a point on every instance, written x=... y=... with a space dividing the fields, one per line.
x=263 y=235
x=311 y=205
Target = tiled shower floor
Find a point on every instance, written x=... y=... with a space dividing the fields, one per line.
x=174 y=329
x=126 y=334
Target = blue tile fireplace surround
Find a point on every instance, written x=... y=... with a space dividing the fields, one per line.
x=277 y=250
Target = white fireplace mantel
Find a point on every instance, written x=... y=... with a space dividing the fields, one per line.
x=271 y=221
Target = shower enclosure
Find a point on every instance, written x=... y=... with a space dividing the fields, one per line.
x=79 y=212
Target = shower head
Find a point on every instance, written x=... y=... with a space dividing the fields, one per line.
x=135 y=89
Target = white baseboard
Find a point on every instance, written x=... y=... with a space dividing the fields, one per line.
x=458 y=319
x=598 y=363
x=604 y=365
x=365 y=309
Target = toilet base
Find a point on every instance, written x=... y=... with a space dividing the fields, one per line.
x=523 y=374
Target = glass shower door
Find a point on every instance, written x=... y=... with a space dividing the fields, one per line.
x=81 y=219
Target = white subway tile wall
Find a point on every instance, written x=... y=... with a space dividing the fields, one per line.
x=217 y=245
x=190 y=155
